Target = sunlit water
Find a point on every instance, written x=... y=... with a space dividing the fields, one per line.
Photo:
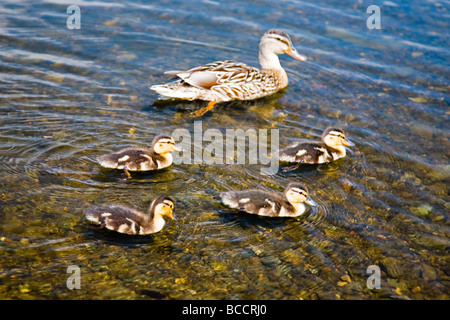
x=67 y=96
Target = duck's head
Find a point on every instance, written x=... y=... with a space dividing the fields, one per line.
x=279 y=42
x=297 y=193
x=164 y=144
x=335 y=138
x=162 y=206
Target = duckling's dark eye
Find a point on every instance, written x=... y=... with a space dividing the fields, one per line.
x=301 y=192
x=170 y=205
x=335 y=135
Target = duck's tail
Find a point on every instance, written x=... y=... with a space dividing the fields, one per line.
x=177 y=90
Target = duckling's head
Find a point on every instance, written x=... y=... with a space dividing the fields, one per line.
x=162 y=206
x=296 y=193
x=278 y=42
x=335 y=138
x=164 y=144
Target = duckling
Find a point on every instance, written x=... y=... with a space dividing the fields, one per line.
x=271 y=204
x=142 y=159
x=130 y=221
x=331 y=148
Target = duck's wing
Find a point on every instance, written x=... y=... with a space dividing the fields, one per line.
x=217 y=73
x=220 y=81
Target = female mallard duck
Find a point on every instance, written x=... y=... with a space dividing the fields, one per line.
x=130 y=221
x=230 y=80
x=329 y=149
x=142 y=159
x=271 y=204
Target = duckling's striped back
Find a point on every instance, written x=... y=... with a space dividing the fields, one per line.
x=258 y=202
x=134 y=158
x=117 y=218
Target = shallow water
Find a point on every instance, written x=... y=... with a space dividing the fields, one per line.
x=67 y=96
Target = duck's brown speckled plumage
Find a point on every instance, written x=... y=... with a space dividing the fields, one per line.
x=228 y=80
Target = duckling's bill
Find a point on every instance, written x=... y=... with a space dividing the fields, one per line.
x=311 y=202
x=170 y=215
x=178 y=148
x=347 y=143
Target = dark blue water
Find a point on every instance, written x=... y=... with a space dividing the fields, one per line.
x=67 y=96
